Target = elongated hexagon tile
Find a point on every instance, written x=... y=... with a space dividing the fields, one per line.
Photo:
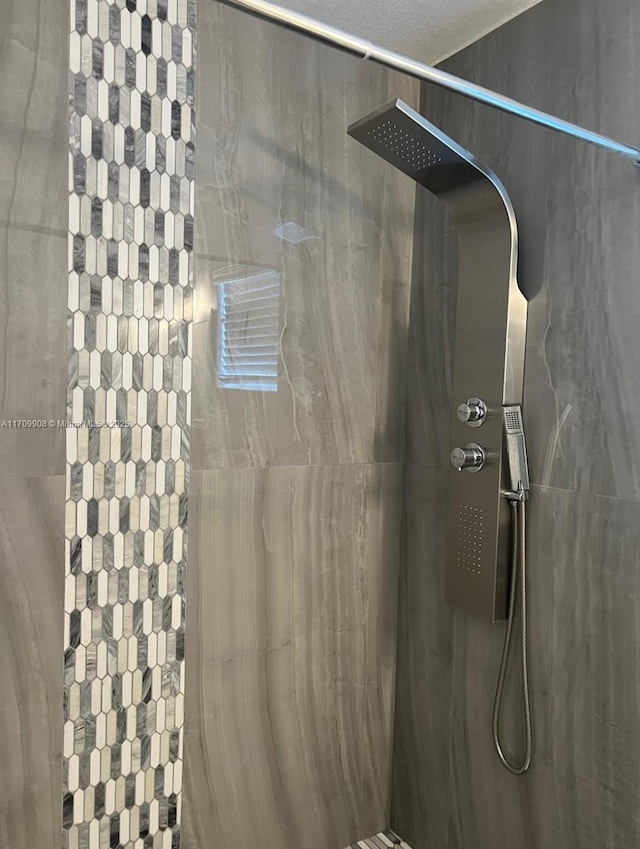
x=130 y=236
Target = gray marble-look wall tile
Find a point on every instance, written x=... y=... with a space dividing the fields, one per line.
x=33 y=265
x=583 y=788
x=275 y=745
x=381 y=648
x=290 y=551
x=31 y=814
x=577 y=211
x=584 y=350
x=33 y=115
x=31 y=598
x=339 y=399
x=426 y=644
x=273 y=151
x=431 y=338
x=33 y=378
x=584 y=81
x=292 y=577
x=578 y=214
x=273 y=146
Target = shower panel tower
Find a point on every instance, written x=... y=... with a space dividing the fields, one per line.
x=491 y=320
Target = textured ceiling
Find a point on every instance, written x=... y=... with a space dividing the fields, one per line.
x=429 y=30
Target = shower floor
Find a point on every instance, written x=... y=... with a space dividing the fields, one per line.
x=380 y=841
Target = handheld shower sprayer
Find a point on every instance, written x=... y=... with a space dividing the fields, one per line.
x=517 y=497
x=516 y=453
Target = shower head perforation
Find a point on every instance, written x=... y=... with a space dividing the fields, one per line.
x=407 y=147
x=470 y=538
x=513 y=419
x=419 y=149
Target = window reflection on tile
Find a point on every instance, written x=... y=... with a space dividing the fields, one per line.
x=248 y=329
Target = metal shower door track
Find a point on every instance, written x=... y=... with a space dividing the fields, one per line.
x=364 y=49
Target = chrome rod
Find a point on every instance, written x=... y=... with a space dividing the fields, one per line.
x=364 y=49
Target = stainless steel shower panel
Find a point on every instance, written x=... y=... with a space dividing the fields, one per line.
x=489 y=348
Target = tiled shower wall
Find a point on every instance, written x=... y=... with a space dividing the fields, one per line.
x=579 y=216
x=33 y=265
x=131 y=170
x=295 y=493
x=316 y=465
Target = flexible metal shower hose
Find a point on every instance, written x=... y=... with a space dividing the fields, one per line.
x=518 y=576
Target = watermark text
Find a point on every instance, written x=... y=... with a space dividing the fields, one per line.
x=54 y=423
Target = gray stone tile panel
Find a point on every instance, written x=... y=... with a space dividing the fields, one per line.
x=31 y=598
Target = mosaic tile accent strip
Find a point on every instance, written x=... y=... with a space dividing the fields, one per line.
x=383 y=840
x=131 y=206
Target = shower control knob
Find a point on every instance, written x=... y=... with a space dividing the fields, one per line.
x=470 y=458
x=473 y=412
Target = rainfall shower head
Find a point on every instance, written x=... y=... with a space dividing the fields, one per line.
x=406 y=140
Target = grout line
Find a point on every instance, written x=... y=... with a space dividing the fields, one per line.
x=542 y=487
x=297 y=466
x=239 y=262
x=539 y=486
x=33 y=228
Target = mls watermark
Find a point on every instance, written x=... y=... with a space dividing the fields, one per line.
x=54 y=423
